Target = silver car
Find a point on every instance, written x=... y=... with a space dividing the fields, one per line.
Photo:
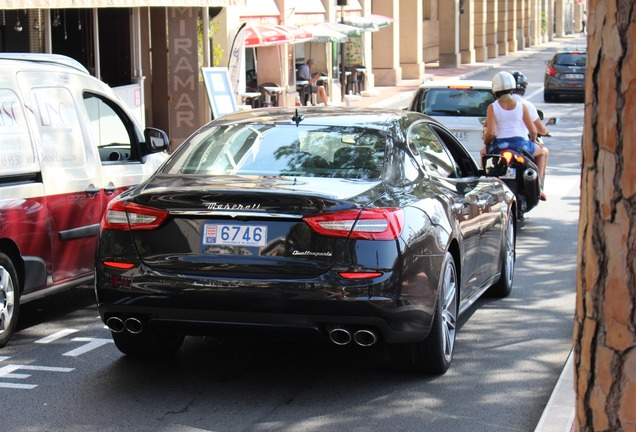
x=460 y=105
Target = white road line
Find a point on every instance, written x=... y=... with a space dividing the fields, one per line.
x=92 y=344
x=55 y=336
x=2 y=358
x=18 y=386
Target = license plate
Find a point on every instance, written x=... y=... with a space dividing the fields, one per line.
x=234 y=235
x=461 y=135
x=510 y=174
x=573 y=76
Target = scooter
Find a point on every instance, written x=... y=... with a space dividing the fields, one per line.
x=518 y=170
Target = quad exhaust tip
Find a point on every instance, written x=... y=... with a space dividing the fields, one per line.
x=118 y=325
x=343 y=336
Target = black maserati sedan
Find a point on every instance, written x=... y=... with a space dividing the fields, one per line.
x=356 y=226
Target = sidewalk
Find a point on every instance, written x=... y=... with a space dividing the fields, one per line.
x=558 y=415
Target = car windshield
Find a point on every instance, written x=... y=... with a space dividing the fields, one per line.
x=571 y=59
x=282 y=150
x=456 y=102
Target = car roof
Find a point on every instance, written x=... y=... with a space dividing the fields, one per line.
x=367 y=117
x=478 y=84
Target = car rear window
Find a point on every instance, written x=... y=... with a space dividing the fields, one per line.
x=455 y=102
x=571 y=59
x=282 y=150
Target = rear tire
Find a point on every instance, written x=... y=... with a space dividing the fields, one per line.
x=9 y=299
x=434 y=354
x=548 y=97
x=148 y=343
x=503 y=287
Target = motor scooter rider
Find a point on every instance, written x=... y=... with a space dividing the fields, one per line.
x=519 y=92
x=508 y=123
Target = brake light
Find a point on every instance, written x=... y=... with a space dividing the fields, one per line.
x=509 y=156
x=460 y=87
x=121 y=215
x=118 y=265
x=359 y=275
x=550 y=71
x=374 y=224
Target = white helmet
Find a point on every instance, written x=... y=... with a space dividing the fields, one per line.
x=503 y=81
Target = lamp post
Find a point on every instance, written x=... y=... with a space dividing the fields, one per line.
x=343 y=77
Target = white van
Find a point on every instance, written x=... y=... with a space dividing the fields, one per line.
x=68 y=145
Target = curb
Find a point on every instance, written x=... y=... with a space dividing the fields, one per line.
x=558 y=415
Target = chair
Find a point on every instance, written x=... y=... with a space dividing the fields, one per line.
x=265 y=95
x=254 y=102
x=304 y=93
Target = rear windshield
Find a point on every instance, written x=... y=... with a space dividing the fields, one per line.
x=282 y=150
x=454 y=102
x=571 y=59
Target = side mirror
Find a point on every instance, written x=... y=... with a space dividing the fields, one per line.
x=156 y=140
x=494 y=165
x=552 y=121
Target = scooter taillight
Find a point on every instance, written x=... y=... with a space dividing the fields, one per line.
x=509 y=156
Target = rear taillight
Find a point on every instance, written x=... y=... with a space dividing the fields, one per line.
x=121 y=215
x=509 y=156
x=550 y=71
x=374 y=224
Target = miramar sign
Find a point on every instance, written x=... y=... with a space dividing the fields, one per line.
x=183 y=78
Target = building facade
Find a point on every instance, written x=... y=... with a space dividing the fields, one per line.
x=152 y=51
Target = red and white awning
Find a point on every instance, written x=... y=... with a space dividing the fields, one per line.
x=266 y=35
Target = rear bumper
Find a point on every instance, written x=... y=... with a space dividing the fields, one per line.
x=224 y=307
x=559 y=86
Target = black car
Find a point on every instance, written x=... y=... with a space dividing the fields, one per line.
x=564 y=75
x=356 y=226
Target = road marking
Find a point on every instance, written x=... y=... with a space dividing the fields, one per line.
x=8 y=372
x=92 y=344
x=55 y=336
x=2 y=358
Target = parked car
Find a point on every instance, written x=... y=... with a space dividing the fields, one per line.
x=352 y=225
x=458 y=104
x=564 y=75
x=68 y=145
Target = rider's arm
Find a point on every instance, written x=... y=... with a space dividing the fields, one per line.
x=541 y=129
x=491 y=125
x=532 y=130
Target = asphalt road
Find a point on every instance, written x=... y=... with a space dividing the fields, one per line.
x=61 y=372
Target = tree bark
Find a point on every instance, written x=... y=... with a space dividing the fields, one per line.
x=605 y=323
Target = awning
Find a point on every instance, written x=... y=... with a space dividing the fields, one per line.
x=369 y=22
x=323 y=34
x=267 y=35
x=343 y=28
x=90 y=4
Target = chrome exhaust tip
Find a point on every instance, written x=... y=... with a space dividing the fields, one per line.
x=340 y=336
x=115 y=324
x=133 y=325
x=365 y=338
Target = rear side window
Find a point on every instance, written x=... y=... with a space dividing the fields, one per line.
x=17 y=155
x=282 y=150
x=455 y=102
x=433 y=156
x=570 y=59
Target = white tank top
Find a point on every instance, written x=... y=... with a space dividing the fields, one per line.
x=510 y=122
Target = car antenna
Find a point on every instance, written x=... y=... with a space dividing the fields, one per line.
x=297 y=118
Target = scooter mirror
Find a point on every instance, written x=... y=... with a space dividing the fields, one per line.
x=494 y=165
x=552 y=121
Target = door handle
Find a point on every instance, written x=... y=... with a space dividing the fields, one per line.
x=91 y=190
x=110 y=188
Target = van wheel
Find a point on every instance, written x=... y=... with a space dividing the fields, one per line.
x=149 y=343
x=9 y=299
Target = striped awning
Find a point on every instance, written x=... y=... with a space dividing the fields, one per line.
x=89 y=4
